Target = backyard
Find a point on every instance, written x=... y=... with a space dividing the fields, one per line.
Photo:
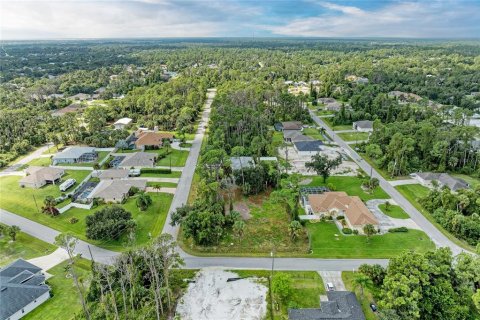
x=351 y=185
x=328 y=242
x=25 y=247
x=65 y=303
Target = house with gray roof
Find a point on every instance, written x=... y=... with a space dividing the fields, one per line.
x=238 y=163
x=363 y=126
x=138 y=160
x=308 y=148
x=37 y=177
x=75 y=155
x=295 y=135
x=116 y=191
x=443 y=179
x=22 y=289
x=340 y=305
x=112 y=174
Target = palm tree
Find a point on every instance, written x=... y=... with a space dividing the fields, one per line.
x=143 y=201
x=294 y=229
x=361 y=281
x=166 y=144
x=12 y=232
x=49 y=206
x=369 y=230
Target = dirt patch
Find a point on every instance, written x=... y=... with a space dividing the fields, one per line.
x=243 y=209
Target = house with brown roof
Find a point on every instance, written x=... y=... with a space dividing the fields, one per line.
x=339 y=203
x=143 y=140
x=37 y=177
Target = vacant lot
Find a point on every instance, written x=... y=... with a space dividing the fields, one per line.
x=327 y=242
x=328 y=121
x=394 y=211
x=65 y=303
x=25 y=247
x=40 y=162
x=314 y=133
x=354 y=136
x=351 y=185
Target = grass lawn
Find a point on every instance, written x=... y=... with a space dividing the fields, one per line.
x=351 y=185
x=52 y=150
x=162 y=184
x=185 y=145
x=40 y=162
x=328 y=121
x=25 y=247
x=413 y=192
x=65 y=303
x=307 y=286
x=18 y=200
x=368 y=294
x=394 y=211
x=314 y=133
x=354 y=136
x=101 y=155
x=173 y=174
x=469 y=179
x=176 y=157
x=325 y=244
x=266 y=228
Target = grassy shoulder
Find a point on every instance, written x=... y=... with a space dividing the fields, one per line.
x=354 y=136
x=25 y=247
x=351 y=185
x=64 y=304
x=307 y=286
x=365 y=298
x=413 y=192
x=173 y=174
x=329 y=122
x=327 y=242
x=161 y=184
x=394 y=211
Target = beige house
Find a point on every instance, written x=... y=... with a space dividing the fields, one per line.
x=339 y=203
x=37 y=177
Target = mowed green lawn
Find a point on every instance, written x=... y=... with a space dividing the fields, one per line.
x=394 y=211
x=414 y=192
x=354 y=136
x=162 y=184
x=472 y=181
x=41 y=162
x=328 y=121
x=314 y=133
x=351 y=185
x=325 y=244
x=176 y=158
x=22 y=200
x=65 y=303
x=173 y=174
x=25 y=247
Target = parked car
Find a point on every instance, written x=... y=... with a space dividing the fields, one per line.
x=134 y=172
x=373 y=307
x=330 y=286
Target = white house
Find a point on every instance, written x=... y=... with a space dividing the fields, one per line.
x=120 y=124
x=23 y=289
x=443 y=179
x=363 y=126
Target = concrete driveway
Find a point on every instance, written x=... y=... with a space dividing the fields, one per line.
x=334 y=277
x=385 y=222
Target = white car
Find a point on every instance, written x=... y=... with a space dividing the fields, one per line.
x=330 y=286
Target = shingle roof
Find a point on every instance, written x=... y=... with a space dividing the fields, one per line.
x=20 y=285
x=341 y=305
x=444 y=179
x=366 y=124
x=116 y=189
x=152 y=138
x=139 y=159
x=241 y=162
x=41 y=174
x=314 y=145
x=113 y=174
x=73 y=152
x=292 y=125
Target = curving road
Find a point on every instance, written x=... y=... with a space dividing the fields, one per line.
x=437 y=237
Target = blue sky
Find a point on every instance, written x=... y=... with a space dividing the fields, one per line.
x=59 y=19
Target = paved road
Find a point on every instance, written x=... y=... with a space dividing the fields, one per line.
x=437 y=237
x=34 y=155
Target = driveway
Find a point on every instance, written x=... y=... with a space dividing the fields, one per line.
x=49 y=261
x=32 y=156
x=334 y=277
x=386 y=222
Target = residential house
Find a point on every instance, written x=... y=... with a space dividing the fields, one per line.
x=146 y=139
x=76 y=155
x=80 y=97
x=292 y=125
x=120 y=124
x=308 y=148
x=116 y=191
x=37 y=177
x=339 y=203
x=113 y=174
x=443 y=179
x=339 y=305
x=404 y=97
x=294 y=136
x=138 y=160
x=238 y=163
x=363 y=126
x=74 y=107
x=22 y=289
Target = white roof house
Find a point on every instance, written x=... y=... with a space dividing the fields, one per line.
x=116 y=190
x=75 y=155
x=122 y=123
x=363 y=126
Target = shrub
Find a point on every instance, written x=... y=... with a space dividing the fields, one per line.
x=347 y=231
x=156 y=170
x=400 y=229
x=355 y=232
x=331 y=187
x=73 y=220
x=340 y=217
x=108 y=223
x=328 y=218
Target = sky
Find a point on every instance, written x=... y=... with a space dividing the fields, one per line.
x=72 y=19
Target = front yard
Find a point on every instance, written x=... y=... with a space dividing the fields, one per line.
x=25 y=247
x=351 y=185
x=328 y=242
x=394 y=211
x=174 y=157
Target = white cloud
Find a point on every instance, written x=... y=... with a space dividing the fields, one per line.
x=398 y=19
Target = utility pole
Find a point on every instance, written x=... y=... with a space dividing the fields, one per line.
x=35 y=200
x=272 y=254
